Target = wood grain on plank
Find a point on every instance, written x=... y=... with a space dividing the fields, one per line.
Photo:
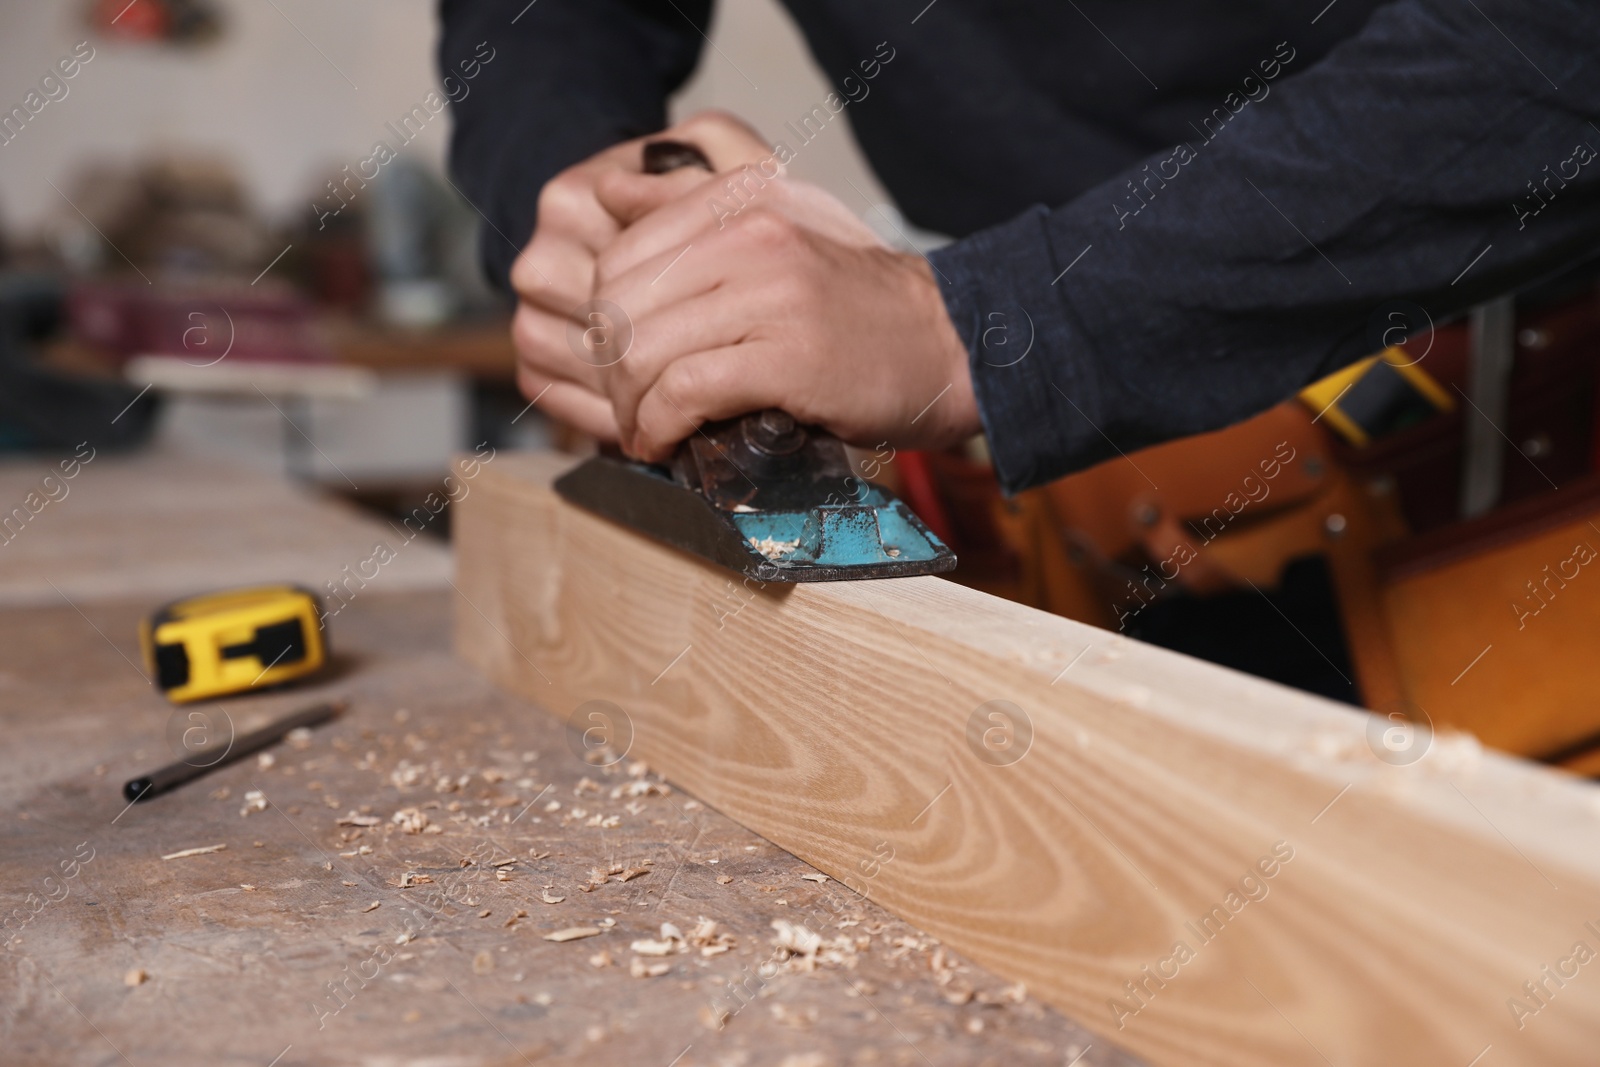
x=1210 y=868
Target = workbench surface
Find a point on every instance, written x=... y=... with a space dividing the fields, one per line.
x=387 y=883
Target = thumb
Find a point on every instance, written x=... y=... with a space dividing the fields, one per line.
x=629 y=196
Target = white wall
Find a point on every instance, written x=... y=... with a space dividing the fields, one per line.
x=264 y=96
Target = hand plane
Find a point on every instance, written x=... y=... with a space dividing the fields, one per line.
x=762 y=494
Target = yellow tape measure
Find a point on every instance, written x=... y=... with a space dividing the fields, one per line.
x=233 y=640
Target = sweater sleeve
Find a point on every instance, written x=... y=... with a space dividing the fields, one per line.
x=566 y=79
x=1445 y=155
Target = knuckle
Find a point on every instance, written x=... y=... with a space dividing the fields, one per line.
x=768 y=230
x=711 y=119
x=687 y=380
x=562 y=194
x=525 y=273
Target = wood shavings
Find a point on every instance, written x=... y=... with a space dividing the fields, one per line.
x=600 y=959
x=724 y=879
x=572 y=933
x=299 y=737
x=585 y=785
x=493 y=775
x=520 y=914
x=774 y=549
x=710 y=939
x=502 y=863
x=548 y=899
x=485 y=913
x=254 y=800
x=483 y=962
x=406 y=937
x=1011 y=994
x=631 y=873
x=640 y=969
x=373 y=906
x=203 y=850
x=247 y=887
x=412 y=878
x=364 y=850
x=350 y=885
x=410 y=820
x=353 y=819
x=137 y=976
x=814 y=877
x=265 y=760
x=803 y=949
x=794 y=1018
x=647 y=947
x=554 y=805
x=641 y=788
x=406 y=775
x=956 y=992
x=221 y=794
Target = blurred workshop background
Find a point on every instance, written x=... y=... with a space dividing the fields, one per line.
x=191 y=264
x=187 y=208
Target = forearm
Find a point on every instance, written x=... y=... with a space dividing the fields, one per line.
x=1245 y=264
x=569 y=78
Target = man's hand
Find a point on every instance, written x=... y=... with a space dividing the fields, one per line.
x=555 y=274
x=788 y=302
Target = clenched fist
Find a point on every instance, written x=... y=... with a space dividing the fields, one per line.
x=554 y=277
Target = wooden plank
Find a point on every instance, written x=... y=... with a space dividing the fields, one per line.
x=1331 y=906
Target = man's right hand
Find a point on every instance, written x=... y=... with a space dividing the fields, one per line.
x=554 y=277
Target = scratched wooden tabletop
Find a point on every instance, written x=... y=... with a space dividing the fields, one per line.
x=437 y=877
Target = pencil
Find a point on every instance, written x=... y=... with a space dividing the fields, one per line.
x=175 y=774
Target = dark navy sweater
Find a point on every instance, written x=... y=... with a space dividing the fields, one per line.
x=1171 y=214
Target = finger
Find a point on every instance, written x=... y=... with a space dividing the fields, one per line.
x=708 y=207
x=567 y=206
x=726 y=140
x=544 y=346
x=718 y=384
x=682 y=270
x=722 y=317
x=554 y=273
x=628 y=197
x=572 y=404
